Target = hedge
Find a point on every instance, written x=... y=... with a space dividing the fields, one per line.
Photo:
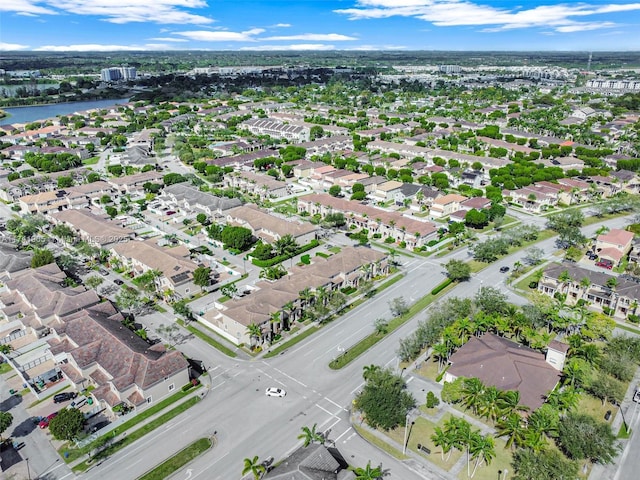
x=281 y=258
x=441 y=287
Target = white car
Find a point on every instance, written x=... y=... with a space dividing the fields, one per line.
x=275 y=392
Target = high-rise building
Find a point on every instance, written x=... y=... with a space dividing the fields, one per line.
x=113 y=74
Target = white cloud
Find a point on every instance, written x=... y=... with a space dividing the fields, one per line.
x=169 y=39
x=221 y=36
x=448 y=13
x=11 y=46
x=313 y=37
x=25 y=7
x=94 y=47
x=300 y=46
x=115 y=11
x=281 y=25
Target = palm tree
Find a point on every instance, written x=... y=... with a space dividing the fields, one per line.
x=483 y=449
x=368 y=473
x=309 y=436
x=306 y=296
x=534 y=440
x=273 y=320
x=544 y=421
x=291 y=309
x=254 y=466
x=369 y=371
x=509 y=402
x=254 y=331
x=489 y=403
x=441 y=352
x=512 y=427
x=444 y=440
x=472 y=393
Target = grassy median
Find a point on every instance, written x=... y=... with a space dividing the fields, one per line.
x=179 y=460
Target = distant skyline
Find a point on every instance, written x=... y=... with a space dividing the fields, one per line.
x=358 y=25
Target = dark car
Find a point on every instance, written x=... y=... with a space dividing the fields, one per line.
x=99 y=426
x=63 y=397
x=504 y=269
x=117 y=281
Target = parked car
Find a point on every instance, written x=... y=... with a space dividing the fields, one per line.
x=170 y=212
x=63 y=397
x=608 y=264
x=275 y=392
x=99 y=426
x=504 y=269
x=104 y=272
x=117 y=281
x=44 y=423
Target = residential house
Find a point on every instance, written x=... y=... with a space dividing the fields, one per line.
x=386 y=191
x=506 y=365
x=174 y=264
x=94 y=349
x=133 y=184
x=277 y=129
x=97 y=230
x=594 y=287
x=446 y=205
x=268 y=227
x=183 y=195
x=614 y=245
x=264 y=186
x=283 y=297
x=314 y=462
x=411 y=230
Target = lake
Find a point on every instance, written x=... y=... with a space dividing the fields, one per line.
x=41 y=112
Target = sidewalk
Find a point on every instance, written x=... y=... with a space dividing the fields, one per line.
x=201 y=392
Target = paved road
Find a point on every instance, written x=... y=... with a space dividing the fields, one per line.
x=248 y=423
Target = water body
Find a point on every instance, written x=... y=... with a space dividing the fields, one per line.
x=42 y=112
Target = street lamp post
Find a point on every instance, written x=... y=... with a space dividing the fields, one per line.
x=28 y=471
x=406 y=433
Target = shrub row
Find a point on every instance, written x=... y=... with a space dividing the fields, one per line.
x=441 y=287
x=281 y=258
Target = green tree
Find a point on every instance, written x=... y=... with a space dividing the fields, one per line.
x=67 y=424
x=285 y=245
x=94 y=281
x=581 y=436
x=432 y=400
x=335 y=190
x=128 y=298
x=202 y=218
x=369 y=371
x=310 y=435
x=482 y=450
x=457 y=270
x=512 y=427
x=253 y=466
x=255 y=332
x=475 y=219
x=368 y=473
x=41 y=256
x=262 y=251
x=6 y=419
x=239 y=238
x=384 y=400
x=202 y=276
x=543 y=465
x=398 y=306
x=63 y=232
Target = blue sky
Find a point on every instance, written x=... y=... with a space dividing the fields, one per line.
x=103 y=25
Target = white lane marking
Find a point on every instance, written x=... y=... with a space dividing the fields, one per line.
x=357 y=388
x=331 y=401
x=289 y=377
x=325 y=410
x=199 y=473
x=337 y=420
x=349 y=437
x=343 y=434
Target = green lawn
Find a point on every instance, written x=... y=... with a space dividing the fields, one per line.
x=523 y=283
x=381 y=444
x=91 y=161
x=70 y=454
x=4 y=368
x=370 y=340
x=593 y=406
x=207 y=338
x=292 y=341
x=179 y=460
